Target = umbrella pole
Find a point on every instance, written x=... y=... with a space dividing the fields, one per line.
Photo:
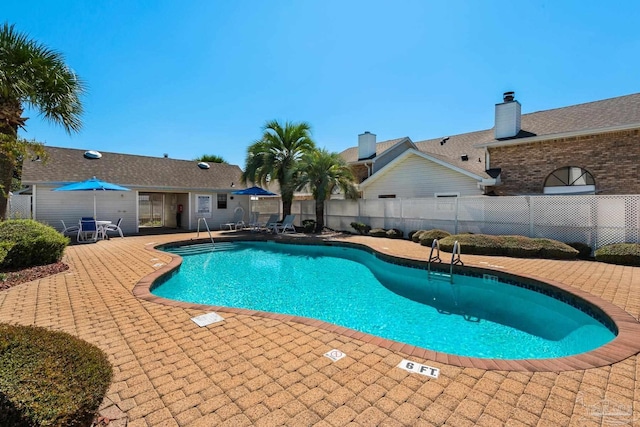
x=94 y=205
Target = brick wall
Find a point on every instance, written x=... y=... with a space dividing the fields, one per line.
x=612 y=158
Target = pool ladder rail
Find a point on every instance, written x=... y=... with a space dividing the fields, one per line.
x=455 y=259
x=213 y=245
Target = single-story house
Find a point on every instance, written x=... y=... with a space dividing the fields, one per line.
x=164 y=192
x=591 y=148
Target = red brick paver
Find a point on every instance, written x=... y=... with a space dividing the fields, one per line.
x=270 y=370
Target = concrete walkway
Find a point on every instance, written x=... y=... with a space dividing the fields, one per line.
x=255 y=370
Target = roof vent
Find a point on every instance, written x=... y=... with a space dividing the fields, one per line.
x=92 y=154
x=203 y=165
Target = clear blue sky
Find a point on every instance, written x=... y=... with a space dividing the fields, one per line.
x=193 y=77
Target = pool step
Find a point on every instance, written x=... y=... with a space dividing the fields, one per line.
x=202 y=248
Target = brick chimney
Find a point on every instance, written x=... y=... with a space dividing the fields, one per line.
x=366 y=145
x=507 y=123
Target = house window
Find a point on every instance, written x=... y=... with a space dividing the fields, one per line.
x=222 y=201
x=570 y=180
x=386 y=196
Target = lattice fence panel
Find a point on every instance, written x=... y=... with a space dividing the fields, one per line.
x=339 y=214
x=494 y=215
x=19 y=206
x=564 y=218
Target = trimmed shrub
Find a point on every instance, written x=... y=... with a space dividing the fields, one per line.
x=394 y=233
x=415 y=237
x=308 y=225
x=620 y=253
x=361 y=228
x=411 y=233
x=378 y=232
x=5 y=247
x=584 y=250
x=512 y=246
x=49 y=378
x=426 y=238
x=33 y=244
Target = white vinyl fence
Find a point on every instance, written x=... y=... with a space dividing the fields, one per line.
x=593 y=220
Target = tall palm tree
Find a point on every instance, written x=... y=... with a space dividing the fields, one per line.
x=323 y=172
x=275 y=156
x=32 y=75
x=213 y=158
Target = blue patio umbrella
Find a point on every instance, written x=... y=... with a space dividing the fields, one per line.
x=92 y=184
x=253 y=191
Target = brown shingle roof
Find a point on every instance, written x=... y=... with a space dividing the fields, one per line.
x=606 y=113
x=69 y=165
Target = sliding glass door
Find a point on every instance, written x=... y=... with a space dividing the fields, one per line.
x=150 y=209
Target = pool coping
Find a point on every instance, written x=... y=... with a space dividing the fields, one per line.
x=623 y=346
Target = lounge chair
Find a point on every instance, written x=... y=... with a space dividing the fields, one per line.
x=287 y=224
x=88 y=231
x=113 y=227
x=270 y=224
x=237 y=221
x=70 y=229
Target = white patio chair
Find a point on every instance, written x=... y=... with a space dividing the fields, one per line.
x=113 y=227
x=287 y=224
x=70 y=229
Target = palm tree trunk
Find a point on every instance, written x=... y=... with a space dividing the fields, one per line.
x=10 y=119
x=319 y=215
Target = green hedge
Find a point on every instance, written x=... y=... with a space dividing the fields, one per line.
x=512 y=246
x=395 y=233
x=49 y=378
x=620 y=253
x=33 y=244
x=361 y=228
x=378 y=232
x=426 y=238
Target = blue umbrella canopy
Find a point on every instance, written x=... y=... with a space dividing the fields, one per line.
x=254 y=191
x=92 y=184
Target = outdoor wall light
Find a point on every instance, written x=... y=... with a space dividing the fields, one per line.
x=464 y=157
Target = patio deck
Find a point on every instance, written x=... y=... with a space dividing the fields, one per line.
x=254 y=370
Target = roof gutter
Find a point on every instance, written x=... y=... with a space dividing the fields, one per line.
x=521 y=141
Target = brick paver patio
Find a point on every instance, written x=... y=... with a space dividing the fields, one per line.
x=264 y=371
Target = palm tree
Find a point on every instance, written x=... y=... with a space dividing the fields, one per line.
x=210 y=158
x=275 y=156
x=32 y=75
x=323 y=172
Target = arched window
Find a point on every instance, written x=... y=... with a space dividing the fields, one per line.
x=570 y=180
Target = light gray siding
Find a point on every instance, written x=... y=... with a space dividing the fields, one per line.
x=415 y=176
x=70 y=206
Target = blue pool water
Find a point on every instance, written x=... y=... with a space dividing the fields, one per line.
x=473 y=317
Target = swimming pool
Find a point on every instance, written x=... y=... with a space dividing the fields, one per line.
x=476 y=316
